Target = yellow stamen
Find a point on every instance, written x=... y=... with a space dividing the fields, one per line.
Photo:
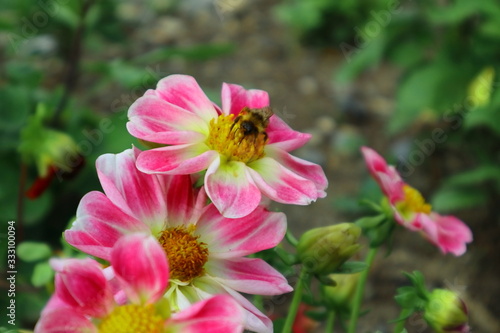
x=229 y=138
x=414 y=202
x=132 y=318
x=186 y=255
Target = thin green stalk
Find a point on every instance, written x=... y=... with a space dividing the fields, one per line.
x=330 y=321
x=360 y=290
x=297 y=297
x=401 y=324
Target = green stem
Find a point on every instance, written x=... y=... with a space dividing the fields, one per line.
x=401 y=324
x=360 y=289
x=330 y=321
x=294 y=306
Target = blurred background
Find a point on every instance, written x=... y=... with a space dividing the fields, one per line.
x=415 y=80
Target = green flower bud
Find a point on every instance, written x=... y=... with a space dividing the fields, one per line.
x=341 y=295
x=323 y=250
x=446 y=312
x=47 y=147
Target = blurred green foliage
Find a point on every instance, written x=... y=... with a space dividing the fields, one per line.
x=448 y=56
x=325 y=22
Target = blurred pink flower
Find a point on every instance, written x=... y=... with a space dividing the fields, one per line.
x=206 y=251
x=244 y=155
x=87 y=299
x=448 y=233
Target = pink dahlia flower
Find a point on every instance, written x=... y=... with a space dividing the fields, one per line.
x=87 y=300
x=206 y=251
x=448 y=233
x=242 y=147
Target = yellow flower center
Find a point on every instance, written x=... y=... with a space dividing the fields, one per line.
x=132 y=319
x=186 y=255
x=413 y=202
x=239 y=139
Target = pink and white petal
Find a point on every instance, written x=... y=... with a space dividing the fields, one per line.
x=281 y=136
x=64 y=321
x=184 y=91
x=230 y=238
x=386 y=176
x=180 y=197
x=81 y=284
x=220 y=313
x=140 y=263
x=99 y=224
x=206 y=286
x=235 y=98
x=54 y=303
x=303 y=168
x=255 y=321
x=248 y=275
x=116 y=288
x=151 y=114
x=231 y=188
x=280 y=184
x=138 y=194
x=453 y=234
x=176 y=160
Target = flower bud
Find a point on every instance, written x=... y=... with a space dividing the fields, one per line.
x=446 y=312
x=53 y=152
x=47 y=147
x=340 y=296
x=323 y=250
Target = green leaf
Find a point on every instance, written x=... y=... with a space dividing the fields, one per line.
x=454 y=13
x=318 y=315
x=481 y=174
x=449 y=199
x=279 y=324
x=68 y=16
x=429 y=90
x=491 y=28
x=126 y=74
x=484 y=117
x=33 y=251
x=360 y=58
x=42 y=274
x=351 y=267
x=286 y=257
x=369 y=222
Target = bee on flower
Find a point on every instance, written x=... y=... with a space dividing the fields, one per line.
x=242 y=148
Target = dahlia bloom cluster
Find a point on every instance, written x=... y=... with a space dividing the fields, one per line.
x=177 y=250
x=410 y=210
